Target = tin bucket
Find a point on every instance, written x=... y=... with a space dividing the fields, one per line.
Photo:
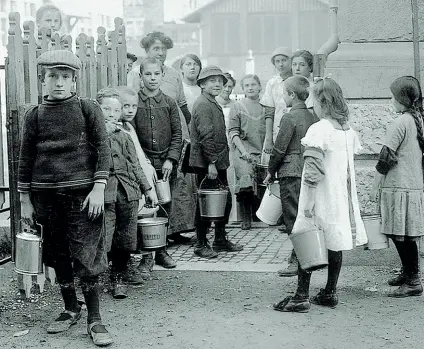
x=376 y=239
x=163 y=191
x=309 y=245
x=152 y=232
x=261 y=171
x=212 y=202
x=29 y=251
x=270 y=209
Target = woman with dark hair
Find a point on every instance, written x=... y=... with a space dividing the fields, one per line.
x=190 y=66
x=224 y=99
x=183 y=206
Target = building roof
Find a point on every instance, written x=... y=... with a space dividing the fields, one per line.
x=194 y=17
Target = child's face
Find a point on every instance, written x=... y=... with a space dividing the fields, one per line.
x=300 y=67
x=251 y=88
x=50 y=20
x=288 y=97
x=129 y=108
x=227 y=90
x=111 y=108
x=190 y=69
x=152 y=76
x=59 y=82
x=398 y=107
x=213 y=85
x=282 y=63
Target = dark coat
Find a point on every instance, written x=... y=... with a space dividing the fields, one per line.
x=208 y=134
x=287 y=154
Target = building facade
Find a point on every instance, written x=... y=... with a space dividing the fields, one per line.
x=230 y=28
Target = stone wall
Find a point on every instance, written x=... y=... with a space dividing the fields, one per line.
x=370 y=121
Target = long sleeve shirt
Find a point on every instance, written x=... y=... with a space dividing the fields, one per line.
x=158 y=127
x=63 y=145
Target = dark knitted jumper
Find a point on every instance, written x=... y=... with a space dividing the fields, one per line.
x=63 y=145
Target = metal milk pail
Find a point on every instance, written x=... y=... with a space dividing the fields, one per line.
x=163 y=191
x=29 y=251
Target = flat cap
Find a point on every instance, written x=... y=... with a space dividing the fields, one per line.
x=283 y=51
x=59 y=59
x=210 y=70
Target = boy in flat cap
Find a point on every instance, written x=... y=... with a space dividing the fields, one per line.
x=209 y=157
x=63 y=170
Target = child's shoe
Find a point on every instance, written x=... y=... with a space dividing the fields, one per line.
x=293 y=267
x=204 y=250
x=119 y=288
x=326 y=298
x=98 y=334
x=163 y=259
x=221 y=242
x=64 y=321
x=145 y=266
x=293 y=304
x=398 y=280
x=132 y=276
x=411 y=287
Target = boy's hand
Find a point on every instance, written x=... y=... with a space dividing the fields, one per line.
x=152 y=198
x=246 y=156
x=309 y=209
x=268 y=179
x=95 y=201
x=155 y=175
x=212 y=171
x=269 y=144
x=27 y=212
x=167 y=169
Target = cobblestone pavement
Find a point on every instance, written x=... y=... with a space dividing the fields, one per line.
x=263 y=246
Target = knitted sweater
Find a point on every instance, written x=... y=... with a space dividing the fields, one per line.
x=63 y=145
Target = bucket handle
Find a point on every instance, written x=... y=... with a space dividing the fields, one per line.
x=41 y=230
x=268 y=186
x=220 y=182
x=161 y=207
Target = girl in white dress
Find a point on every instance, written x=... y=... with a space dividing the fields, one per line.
x=328 y=194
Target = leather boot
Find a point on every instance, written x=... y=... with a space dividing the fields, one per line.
x=411 y=287
x=292 y=268
x=398 y=280
x=163 y=259
x=221 y=243
x=145 y=266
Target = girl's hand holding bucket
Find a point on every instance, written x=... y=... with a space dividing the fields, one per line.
x=268 y=179
x=152 y=198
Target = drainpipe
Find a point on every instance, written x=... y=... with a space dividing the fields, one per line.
x=416 y=39
x=331 y=44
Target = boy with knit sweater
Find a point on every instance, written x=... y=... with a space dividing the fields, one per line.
x=63 y=171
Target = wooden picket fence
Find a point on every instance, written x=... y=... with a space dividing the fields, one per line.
x=104 y=63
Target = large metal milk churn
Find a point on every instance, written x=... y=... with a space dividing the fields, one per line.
x=29 y=251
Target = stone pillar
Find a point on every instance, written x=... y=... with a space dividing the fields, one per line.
x=376 y=48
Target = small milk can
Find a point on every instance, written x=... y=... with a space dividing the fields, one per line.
x=29 y=251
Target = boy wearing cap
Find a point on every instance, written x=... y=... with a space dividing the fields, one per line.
x=209 y=156
x=63 y=170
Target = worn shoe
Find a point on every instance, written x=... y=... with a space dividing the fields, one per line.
x=282 y=229
x=398 y=280
x=145 y=266
x=133 y=276
x=293 y=304
x=119 y=288
x=64 y=321
x=292 y=269
x=225 y=245
x=98 y=334
x=163 y=259
x=411 y=287
x=205 y=251
x=325 y=299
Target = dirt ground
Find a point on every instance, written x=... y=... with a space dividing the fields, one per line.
x=187 y=309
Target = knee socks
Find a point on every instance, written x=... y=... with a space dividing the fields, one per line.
x=408 y=254
x=335 y=259
x=90 y=289
x=65 y=278
x=303 y=282
x=120 y=259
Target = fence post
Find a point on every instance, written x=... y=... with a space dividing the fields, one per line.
x=91 y=69
x=81 y=52
x=121 y=51
x=15 y=97
x=102 y=58
x=42 y=46
x=30 y=64
x=66 y=43
x=112 y=54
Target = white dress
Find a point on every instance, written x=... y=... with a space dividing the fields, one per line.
x=332 y=196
